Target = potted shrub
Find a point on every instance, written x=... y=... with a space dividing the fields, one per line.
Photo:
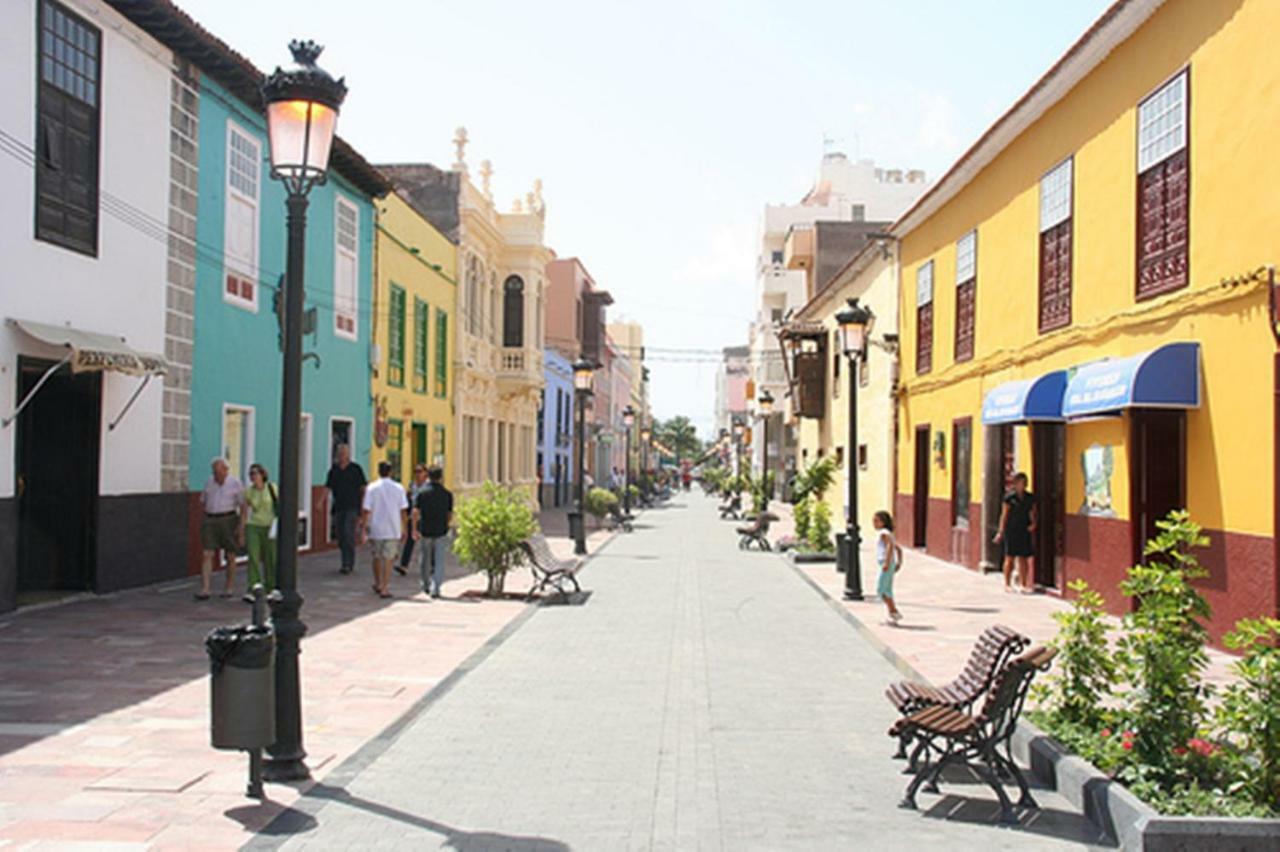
x=812 y=514
x=490 y=528
x=600 y=501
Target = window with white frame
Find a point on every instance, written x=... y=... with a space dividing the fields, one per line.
x=1056 y=253
x=346 y=268
x=240 y=236
x=237 y=439
x=1162 y=123
x=1055 y=196
x=924 y=318
x=966 y=257
x=966 y=294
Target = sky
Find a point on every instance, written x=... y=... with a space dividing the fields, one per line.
x=661 y=129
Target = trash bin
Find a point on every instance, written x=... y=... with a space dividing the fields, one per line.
x=242 y=686
x=844 y=553
x=575 y=525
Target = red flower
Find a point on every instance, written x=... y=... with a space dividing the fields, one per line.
x=1179 y=751
x=1202 y=747
x=1127 y=745
x=1106 y=732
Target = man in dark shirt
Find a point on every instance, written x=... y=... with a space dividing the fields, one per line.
x=346 y=497
x=432 y=514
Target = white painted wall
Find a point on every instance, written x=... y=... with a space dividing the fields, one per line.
x=122 y=290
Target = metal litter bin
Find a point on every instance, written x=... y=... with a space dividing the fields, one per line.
x=242 y=686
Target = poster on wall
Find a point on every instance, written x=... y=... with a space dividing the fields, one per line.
x=1098 y=463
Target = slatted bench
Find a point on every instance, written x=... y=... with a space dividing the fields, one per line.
x=756 y=534
x=994 y=648
x=975 y=740
x=548 y=571
x=732 y=508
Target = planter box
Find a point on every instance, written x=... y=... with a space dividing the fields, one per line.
x=1133 y=823
x=806 y=558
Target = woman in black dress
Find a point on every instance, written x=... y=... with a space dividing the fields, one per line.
x=1017 y=523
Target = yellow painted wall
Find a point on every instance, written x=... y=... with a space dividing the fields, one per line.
x=1234 y=121
x=401 y=230
x=876 y=287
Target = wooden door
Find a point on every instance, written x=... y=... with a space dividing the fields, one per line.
x=1159 y=470
x=1049 y=472
x=920 y=530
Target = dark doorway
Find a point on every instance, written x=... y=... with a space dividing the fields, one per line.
x=419 y=444
x=920 y=527
x=57 y=478
x=513 y=312
x=1049 y=476
x=1158 y=471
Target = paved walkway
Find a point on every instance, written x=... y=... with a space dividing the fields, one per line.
x=700 y=698
x=104 y=702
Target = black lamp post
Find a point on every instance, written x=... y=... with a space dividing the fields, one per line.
x=646 y=435
x=738 y=429
x=302 y=103
x=766 y=408
x=582 y=373
x=628 y=421
x=856 y=322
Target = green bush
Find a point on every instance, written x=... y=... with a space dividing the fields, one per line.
x=1077 y=691
x=803 y=512
x=1161 y=649
x=600 y=501
x=490 y=528
x=819 y=539
x=634 y=493
x=1249 y=715
x=815 y=479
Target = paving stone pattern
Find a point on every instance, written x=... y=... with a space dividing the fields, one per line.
x=701 y=698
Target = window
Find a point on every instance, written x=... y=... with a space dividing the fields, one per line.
x=513 y=312
x=442 y=353
x=420 y=454
x=836 y=357
x=237 y=439
x=240 y=234
x=437 y=449
x=346 y=268
x=395 y=447
x=1055 y=248
x=775 y=258
x=395 y=338
x=1164 y=190
x=961 y=471
x=858 y=213
x=420 y=314
x=67 y=131
x=924 y=318
x=862 y=456
x=966 y=294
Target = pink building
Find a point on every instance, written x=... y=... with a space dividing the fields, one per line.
x=575 y=310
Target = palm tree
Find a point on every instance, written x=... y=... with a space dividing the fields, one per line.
x=680 y=436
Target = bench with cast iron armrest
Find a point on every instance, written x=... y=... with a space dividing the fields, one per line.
x=756 y=534
x=731 y=509
x=975 y=740
x=548 y=571
x=994 y=648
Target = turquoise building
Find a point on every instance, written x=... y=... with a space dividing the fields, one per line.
x=236 y=354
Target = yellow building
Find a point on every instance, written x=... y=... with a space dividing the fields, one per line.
x=1123 y=209
x=871 y=277
x=415 y=301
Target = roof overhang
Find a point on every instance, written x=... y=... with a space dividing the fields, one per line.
x=1167 y=377
x=91 y=351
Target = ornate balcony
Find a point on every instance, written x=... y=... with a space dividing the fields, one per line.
x=518 y=365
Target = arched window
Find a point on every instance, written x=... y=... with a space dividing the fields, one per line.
x=513 y=312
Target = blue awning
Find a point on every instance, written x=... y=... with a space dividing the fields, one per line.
x=1026 y=400
x=1168 y=377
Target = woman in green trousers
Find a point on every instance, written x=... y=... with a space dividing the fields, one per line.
x=261 y=508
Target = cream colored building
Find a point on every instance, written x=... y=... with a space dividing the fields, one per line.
x=871 y=277
x=628 y=337
x=501 y=309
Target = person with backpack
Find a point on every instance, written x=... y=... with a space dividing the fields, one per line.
x=258 y=523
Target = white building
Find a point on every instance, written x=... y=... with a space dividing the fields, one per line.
x=802 y=247
x=85 y=225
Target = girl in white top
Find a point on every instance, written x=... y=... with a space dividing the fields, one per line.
x=888 y=560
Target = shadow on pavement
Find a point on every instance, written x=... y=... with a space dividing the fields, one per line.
x=1045 y=822
x=293 y=822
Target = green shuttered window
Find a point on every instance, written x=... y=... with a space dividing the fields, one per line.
x=420 y=314
x=395 y=338
x=442 y=354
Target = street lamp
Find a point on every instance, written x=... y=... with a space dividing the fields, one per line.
x=302 y=103
x=856 y=322
x=628 y=421
x=738 y=429
x=583 y=370
x=766 y=408
x=646 y=435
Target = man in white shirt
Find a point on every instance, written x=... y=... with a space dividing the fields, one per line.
x=222 y=497
x=383 y=520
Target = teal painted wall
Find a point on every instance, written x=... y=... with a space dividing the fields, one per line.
x=237 y=358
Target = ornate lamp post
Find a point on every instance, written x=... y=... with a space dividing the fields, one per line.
x=856 y=322
x=738 y=429
x=766 y=408
x=583 y=370
x=628 y=421
x=646 y=435
x=302 y=103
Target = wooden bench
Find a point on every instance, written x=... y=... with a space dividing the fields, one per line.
x=616 y=519
x=732 y=508
x=548 y=571
x=975 y=740
x=994 y=648
x=757 y=533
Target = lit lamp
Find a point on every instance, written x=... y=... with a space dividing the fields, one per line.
x=856 y=322
x=302 y=103
x=583 y=371
x=628 y=421
x=765 y=403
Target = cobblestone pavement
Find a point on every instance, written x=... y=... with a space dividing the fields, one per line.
x=104 y=739
x=699 y=698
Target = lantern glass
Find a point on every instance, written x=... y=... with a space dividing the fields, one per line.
x=582 y=372
x=766 y=403
x=628 y=417
x=301 y=136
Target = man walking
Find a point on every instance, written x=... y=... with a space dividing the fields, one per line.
x=222 y=497
x=385 y=511
x=346 y=485
x=432 y=515
x=415 y=488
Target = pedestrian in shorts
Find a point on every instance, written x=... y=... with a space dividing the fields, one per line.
x=383 y=524
x=221 y=499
